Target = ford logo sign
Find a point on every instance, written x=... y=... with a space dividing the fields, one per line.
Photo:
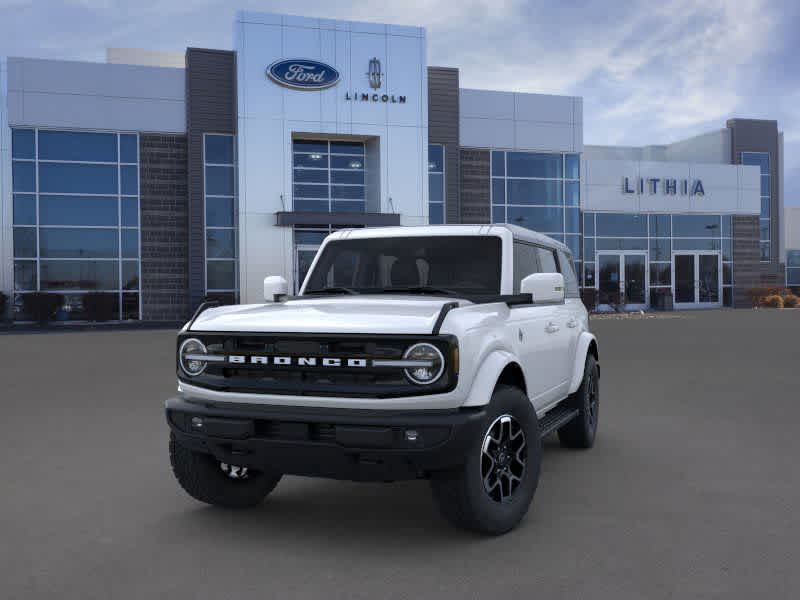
x=303 y=74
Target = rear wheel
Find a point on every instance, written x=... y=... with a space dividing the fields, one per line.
x=208 y=480
x=581 y=431
x=492 y=491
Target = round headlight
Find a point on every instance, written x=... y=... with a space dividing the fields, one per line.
x=431 y=364
x=190 y=357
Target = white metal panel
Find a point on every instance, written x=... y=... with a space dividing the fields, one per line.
x=259 y=96
x=543 y=107
x=364 y=47
x=301 y=105
x=486 y=133
x=546 y=136
x=486 y=104
x=261 y=18
x=6 y=204
x=405 y=78
x=409 y=195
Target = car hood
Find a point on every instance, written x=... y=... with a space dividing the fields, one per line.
x=390 y=314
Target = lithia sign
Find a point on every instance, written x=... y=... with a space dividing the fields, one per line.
x=306 y=74
x=667 y=186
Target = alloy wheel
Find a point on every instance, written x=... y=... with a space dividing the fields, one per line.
x=504 y=453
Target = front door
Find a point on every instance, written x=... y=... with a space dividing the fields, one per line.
x=622 y=280
x=697 y=279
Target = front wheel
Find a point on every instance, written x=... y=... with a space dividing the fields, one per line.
x=208 y=480
x=492 y=491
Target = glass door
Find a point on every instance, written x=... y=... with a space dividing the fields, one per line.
x=621 y=280
x=697 y=279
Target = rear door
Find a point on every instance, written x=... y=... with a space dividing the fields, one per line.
x=560 y=329
x=532 y=332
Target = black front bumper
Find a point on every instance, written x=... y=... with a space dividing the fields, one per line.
x=360 y=445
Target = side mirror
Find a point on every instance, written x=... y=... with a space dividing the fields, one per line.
x=545 y=288
x=275 y=289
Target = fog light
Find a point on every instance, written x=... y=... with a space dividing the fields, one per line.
x=411 y=435
x=197 y=423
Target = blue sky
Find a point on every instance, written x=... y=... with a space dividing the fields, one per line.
x=649 y=72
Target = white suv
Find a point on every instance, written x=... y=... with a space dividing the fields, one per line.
x=443 y=353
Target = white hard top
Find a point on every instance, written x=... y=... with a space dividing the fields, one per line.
x=500 y=230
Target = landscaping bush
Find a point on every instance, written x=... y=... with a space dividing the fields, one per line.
x=41 y=306
x=790 y=301
x=98 y=306
x=773 y=301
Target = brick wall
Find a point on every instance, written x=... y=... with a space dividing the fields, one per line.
x=748 y=271
x=475 y=198
x=165 y=227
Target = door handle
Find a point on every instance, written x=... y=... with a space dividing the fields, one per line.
x=573 y=322
x=551 y=327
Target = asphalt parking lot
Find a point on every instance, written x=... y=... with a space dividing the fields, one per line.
x=692 y=490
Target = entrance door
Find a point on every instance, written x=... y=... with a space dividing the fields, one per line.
x=697 y=279
x=622 y=280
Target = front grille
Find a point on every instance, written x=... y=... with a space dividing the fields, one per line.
x=317 y=380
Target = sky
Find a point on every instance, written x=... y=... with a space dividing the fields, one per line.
x=650 y=72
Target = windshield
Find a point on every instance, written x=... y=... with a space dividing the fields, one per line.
x=449 y=265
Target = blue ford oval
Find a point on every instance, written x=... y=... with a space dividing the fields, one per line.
x=303 y=74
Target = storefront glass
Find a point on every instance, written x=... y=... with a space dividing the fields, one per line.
x=76 y=221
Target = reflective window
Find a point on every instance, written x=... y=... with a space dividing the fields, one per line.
x=326 y=173
x=24 y=209
x=696 y=225
x=58 y=242
x=78 y=146
x=535 y=192
x=72 y=178
x=761 y=160
x=498 y=163
x=621 y=225
x=436 y=184
x=793 y=268
x=542 y=219
x=25 y=275
x=23 y=176
x=128 y=148
x=526 y=263
x=660 y=226
x=23 y=143
x=78 y=210
x=220 y=212
x=75 y=238
x=547 y=260
x=660 y=249
x=532 y=164
x=572 y=166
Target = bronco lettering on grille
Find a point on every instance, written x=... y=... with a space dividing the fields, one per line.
x=301 y=361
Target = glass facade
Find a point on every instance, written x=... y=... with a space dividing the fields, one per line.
x=328 y=176
x=221 y=223
x=540 y=191
x=761 y=160
x=76 y=220
x=659 y=235
x=793 y=268
x=307 y=240
x=436 y=184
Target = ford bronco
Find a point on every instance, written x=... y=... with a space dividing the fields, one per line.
x=442 y=352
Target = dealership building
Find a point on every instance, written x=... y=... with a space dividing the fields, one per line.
x=162 y=179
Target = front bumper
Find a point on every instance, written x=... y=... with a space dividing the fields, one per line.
x=360 y=445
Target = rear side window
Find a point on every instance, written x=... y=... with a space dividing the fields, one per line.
x=570 y=278
x=547 y=260
x=525 y=263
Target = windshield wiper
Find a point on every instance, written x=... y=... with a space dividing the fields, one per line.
x=331 y=290
x=418 y=289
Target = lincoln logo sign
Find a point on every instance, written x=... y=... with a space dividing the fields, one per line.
x=667 y=186
x=302 y=74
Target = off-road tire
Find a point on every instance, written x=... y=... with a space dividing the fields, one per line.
x=460 y=493
x=201 y=476
x=581 y=431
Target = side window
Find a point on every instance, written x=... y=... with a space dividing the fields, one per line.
x=525 y=263
x=570 y=278
x=547 y=260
